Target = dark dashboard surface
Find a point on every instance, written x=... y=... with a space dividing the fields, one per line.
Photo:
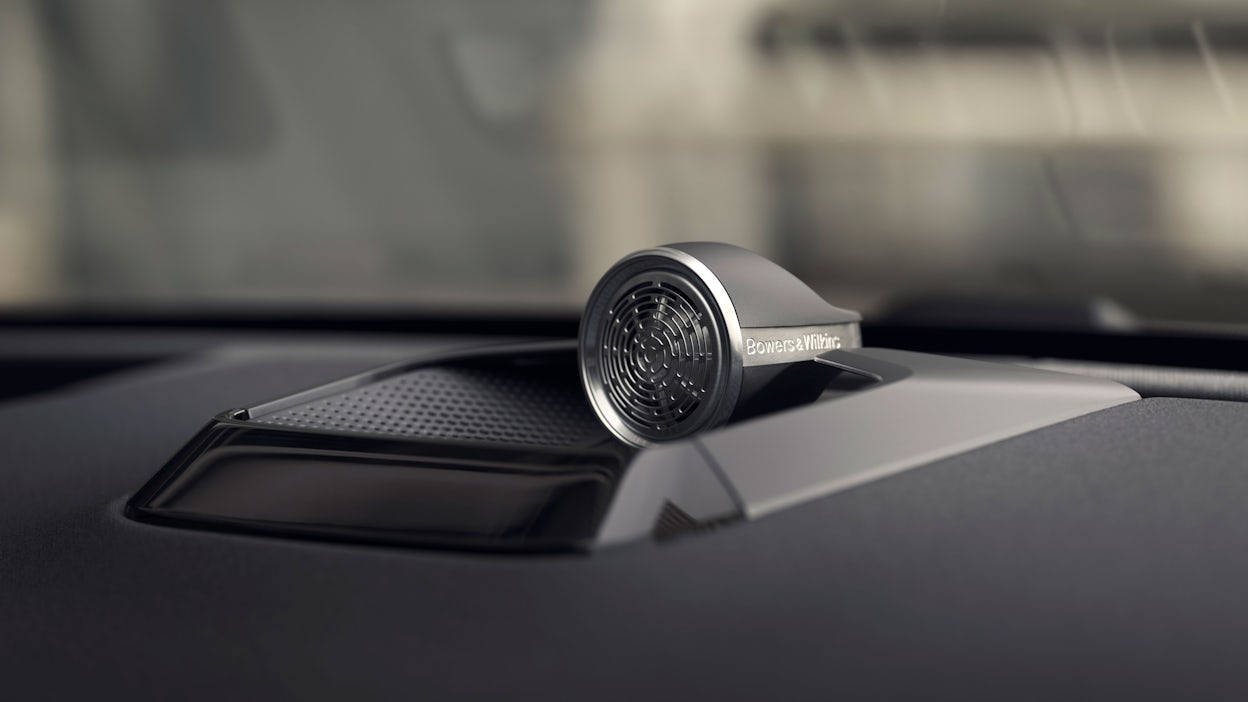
x=1101 y=558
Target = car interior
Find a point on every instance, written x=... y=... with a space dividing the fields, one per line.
x=623 y=349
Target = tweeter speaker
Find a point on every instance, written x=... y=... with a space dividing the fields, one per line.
x=686 y=337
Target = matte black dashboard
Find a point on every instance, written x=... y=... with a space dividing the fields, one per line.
x=1100 y=558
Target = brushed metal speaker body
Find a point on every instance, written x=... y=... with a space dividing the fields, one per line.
x=686 y=337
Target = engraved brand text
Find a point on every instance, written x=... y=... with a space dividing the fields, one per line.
x=804 y=342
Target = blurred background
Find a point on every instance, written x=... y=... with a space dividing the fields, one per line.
x=494 y=154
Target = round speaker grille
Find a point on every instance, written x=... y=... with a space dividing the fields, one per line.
x=660 y=355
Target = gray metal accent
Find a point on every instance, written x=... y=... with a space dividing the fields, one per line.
x=923 y=408
x=763 y=292
x=1152 y=381
x=676 y=473
x=771 y=345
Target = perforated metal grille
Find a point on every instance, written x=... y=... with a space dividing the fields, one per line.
x=658 y=356
x=470 y=404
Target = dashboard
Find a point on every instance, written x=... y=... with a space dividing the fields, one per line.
x=1100 y=557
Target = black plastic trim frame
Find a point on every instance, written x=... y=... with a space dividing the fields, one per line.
x=239 y=475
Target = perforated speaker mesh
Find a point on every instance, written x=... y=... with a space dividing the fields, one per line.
x=659 y=358
x=459 y=403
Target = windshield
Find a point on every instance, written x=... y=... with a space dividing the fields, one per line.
x=493 y=154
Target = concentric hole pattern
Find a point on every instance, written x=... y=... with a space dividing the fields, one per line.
x=470 y=404
x=659 y=357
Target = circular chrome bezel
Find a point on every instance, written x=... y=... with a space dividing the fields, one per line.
x=669 y=265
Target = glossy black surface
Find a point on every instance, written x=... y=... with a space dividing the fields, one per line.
x=432 y=494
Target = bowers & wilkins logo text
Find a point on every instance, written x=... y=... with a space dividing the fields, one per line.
x=797 y=344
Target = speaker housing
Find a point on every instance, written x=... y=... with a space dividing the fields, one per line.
x=686 y=337
x=498 y=448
